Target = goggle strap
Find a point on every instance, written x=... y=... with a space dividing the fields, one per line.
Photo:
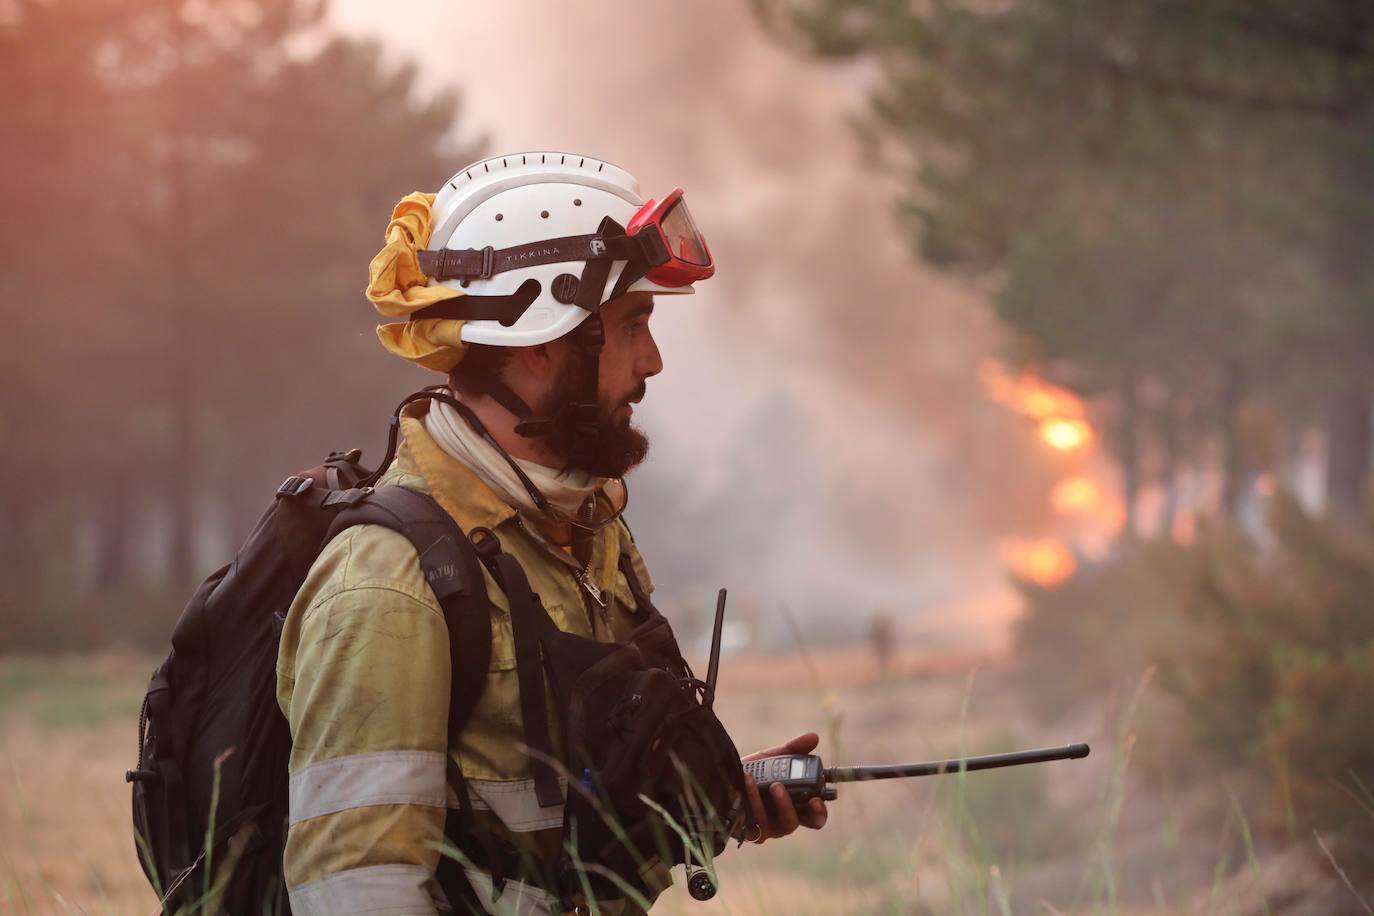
x=483 y=263
x=597 y=271
x=652 y=249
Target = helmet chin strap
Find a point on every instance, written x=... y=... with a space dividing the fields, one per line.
x=582 y=415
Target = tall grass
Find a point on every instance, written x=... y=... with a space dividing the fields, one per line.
x=916 y=847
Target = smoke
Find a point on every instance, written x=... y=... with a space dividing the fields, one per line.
x=820 y=435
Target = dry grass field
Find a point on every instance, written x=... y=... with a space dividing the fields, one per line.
x=1067 y=837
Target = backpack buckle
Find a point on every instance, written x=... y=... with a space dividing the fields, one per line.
x=351 y=456
x=294 y=486
x=485 y=542
x=347 y=497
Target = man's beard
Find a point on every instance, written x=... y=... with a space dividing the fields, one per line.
x=619 y=447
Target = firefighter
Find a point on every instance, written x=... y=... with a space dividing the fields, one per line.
x=529 y=280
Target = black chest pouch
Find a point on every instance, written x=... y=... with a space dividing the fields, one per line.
x=652 y=775
x=657 y=776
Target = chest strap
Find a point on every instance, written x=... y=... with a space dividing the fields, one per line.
x=526 y=619
x=642 y=602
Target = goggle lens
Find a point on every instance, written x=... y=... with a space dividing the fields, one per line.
x=680 y=232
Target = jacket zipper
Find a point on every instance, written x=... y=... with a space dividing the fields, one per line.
x=590 y=587
x=588 y=590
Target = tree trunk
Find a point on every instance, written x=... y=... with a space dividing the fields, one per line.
x=1168 y=478
x=179 y=484
x=1232 y=454
x=181 y=365
x=1129 y=449
x=1349 y=442
x=19 y=566
x=1348 y=408
x=112 y=528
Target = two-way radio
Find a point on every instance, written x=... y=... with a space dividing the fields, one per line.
x=805 y=777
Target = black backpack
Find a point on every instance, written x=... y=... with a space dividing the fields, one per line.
x=210 y=785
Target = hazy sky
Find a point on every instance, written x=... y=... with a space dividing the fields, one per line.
x=897 y=472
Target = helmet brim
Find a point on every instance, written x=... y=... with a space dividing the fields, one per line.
x=645 y=285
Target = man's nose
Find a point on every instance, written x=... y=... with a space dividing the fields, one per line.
x=651 y=361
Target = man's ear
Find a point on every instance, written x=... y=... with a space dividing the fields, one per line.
x=535 y=362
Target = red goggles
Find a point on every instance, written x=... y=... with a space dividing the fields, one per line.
x=662 y=241
x=674 y=246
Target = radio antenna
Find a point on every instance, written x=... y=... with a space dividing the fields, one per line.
x=713 y=667
x=968 y=764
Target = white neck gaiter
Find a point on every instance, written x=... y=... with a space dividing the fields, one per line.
x=565 y=490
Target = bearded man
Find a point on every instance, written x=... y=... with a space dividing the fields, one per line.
x=530 y=280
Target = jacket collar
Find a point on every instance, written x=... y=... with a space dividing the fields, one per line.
x=452 y=484
x=472 y=503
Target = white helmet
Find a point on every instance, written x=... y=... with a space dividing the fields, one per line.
x=515 y=207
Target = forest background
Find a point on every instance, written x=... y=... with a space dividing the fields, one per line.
x=1097 y=303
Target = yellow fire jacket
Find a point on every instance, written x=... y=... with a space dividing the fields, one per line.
x=363 y=679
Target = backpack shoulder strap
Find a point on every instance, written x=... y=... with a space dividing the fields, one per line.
x=627 y=568
x=452 y=570
x=527 y=617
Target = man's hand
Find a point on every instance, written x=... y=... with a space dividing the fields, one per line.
x=784 y=818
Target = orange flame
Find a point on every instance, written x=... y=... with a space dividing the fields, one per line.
x=1058 y=411
x=1065 y=435
x=1077 y=495
x=1045 y=562
x=1028 y=395
x=1061 y=422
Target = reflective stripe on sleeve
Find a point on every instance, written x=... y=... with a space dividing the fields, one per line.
x=412 y=778
x=515 y=803
x=386 y=778
x=379 y=890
